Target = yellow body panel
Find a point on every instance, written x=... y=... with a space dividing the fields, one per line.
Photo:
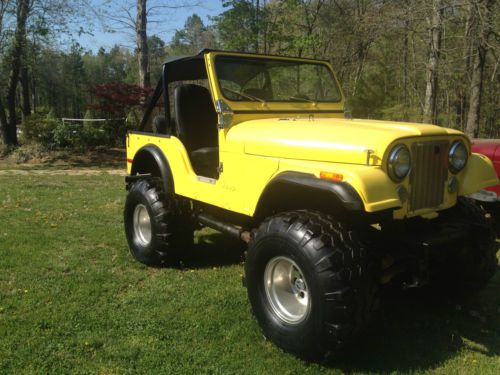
x=325 y=139
x=245 y=176
x=478 y=174
x=258 y=146
x=236 y=189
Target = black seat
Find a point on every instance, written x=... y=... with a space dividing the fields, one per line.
x=197 y=127
x=159 y=125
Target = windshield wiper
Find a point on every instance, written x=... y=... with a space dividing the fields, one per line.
x=245 y=95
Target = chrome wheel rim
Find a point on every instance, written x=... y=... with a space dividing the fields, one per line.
x=142 y=225
x=286 y=290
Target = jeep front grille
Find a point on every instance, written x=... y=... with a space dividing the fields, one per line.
x=428 y=175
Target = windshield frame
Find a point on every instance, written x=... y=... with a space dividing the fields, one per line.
x=284 y=59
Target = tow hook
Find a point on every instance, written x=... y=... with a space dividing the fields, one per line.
x=246 y=236
x=416 y=283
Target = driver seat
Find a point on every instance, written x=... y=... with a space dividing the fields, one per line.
x=197 y=127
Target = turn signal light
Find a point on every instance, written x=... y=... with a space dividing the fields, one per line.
x=331 y=176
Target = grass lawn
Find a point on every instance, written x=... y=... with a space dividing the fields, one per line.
x=72 y=300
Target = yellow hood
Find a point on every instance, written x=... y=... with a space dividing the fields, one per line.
x=325 y=139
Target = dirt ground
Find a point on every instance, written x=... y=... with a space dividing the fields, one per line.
x=60 y=172
x=66 y=162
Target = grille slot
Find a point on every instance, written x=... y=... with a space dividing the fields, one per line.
x=428 y=175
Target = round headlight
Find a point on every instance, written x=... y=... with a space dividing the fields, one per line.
x=457 y=157
x=399 y=163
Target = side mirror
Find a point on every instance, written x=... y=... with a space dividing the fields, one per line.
x=160 y=124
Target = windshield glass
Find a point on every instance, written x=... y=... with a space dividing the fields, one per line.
x=272 y=80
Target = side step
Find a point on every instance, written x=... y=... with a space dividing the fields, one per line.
x=223 y=227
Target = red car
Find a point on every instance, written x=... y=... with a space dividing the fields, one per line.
x=490 y=197
x=491 y=149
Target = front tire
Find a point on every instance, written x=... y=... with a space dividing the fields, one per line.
x=155 y=228
x=310 y=283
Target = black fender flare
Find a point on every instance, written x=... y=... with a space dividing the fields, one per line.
x=161 y=168
x=342 y=193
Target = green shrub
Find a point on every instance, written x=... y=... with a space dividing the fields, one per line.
x=93 y=134
x=39 y=128
x=68 y=134
x=44 y=128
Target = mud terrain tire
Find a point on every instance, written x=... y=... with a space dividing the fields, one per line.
x=156 y=230
x=474 y=262
x=331 y=265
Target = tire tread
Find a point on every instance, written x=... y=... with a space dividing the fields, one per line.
x=340 y=263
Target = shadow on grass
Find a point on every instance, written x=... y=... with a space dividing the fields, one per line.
x=213 y=249
x=420 y=332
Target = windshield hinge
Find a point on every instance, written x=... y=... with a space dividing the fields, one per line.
x=220 y=168
x=369 y=153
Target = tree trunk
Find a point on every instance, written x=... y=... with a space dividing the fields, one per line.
x=361 y=58
x=33 y=92
x=257 y=28
x=22 y=11
x=265 y=48
x=25 y=91
x=467 y=53
x=405 y=68
x=484 y=9
x=3 y=123
x=431 y=90
x=142 y=43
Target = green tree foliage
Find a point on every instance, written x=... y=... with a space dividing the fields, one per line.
x=238 y=26
x=379 y=48
x=157 y=56
x=192 y=38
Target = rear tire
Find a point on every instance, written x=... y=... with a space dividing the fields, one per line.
x=310 y=283
x=155 y=228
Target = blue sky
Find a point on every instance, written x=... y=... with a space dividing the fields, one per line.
x=173 y=20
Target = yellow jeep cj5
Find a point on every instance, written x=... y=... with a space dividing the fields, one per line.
x=332 y=208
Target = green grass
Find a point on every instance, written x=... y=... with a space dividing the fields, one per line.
x=72 y=300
